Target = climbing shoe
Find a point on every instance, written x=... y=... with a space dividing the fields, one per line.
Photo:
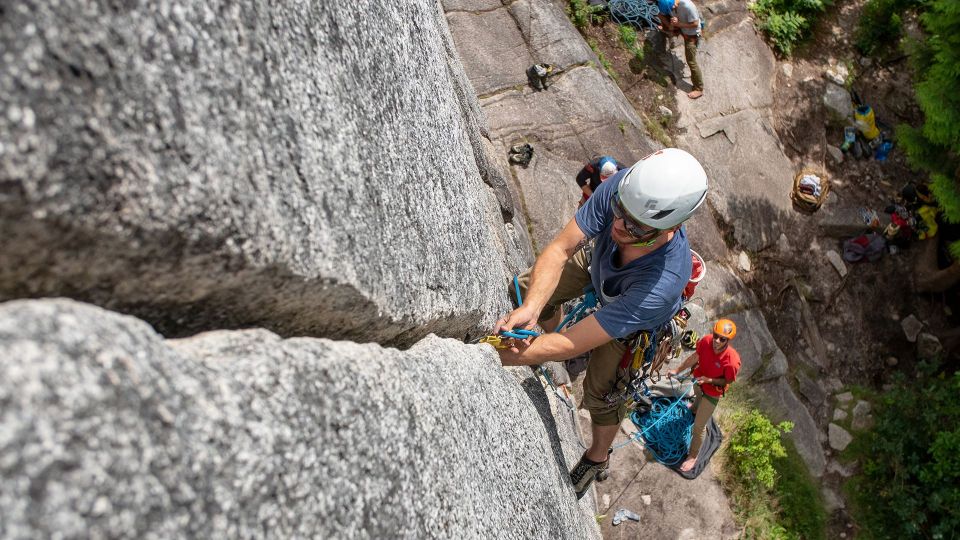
x=521 y=148
x=604 y=473
x=585 y=473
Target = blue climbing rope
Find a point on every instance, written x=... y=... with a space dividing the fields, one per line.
x=580 y=311
x=639 y=13
x=666 y=428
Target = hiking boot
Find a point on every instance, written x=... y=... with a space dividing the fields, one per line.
x=585 y=473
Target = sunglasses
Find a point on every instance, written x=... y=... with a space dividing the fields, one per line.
x=721 y=339
x=637 y=230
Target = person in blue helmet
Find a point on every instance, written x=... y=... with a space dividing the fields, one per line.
x=594 y=173
x=680 y=17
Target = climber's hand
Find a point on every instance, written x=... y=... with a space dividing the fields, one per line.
x=523 y=317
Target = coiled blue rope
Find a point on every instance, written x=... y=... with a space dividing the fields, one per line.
x=667 y=429
x=640 y=13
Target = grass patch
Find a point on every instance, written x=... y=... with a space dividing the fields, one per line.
x=603 y=59
x=772 y=493
x=581 y=13
x=628 y=37
x=655 y=130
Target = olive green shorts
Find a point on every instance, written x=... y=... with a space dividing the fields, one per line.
x=601 y=376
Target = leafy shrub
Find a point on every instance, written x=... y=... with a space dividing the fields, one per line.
x=881 y=24
x=581 y=13
x=628 y=36
x=934 y=147
x=755 y=446
x=784 y=29
x=786 y=22
x=910 y=483
x=773 y=494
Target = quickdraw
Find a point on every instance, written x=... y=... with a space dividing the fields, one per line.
x=644 y=357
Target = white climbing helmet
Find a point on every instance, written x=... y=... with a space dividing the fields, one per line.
x=609 y=168
x=663 y=189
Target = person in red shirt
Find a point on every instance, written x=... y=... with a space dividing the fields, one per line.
x=715 y=365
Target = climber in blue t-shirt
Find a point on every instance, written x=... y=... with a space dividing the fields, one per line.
x=640 y=265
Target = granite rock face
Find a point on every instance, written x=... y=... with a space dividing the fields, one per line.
x=110 y=431
x=314 y=169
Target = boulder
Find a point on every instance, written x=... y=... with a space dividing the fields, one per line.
x=837 y=262
x=810 y=389
x=780 y=403
x=928 y=346
x=110 y=431
x=839 y=415
x=862 y=418
x=579 y=118
x=741 y=71
x=839 y=437
x=911 y=327
x=832 y=501
x=837 y=101
x=743 y=261
x=844 y=398
x=263 y=164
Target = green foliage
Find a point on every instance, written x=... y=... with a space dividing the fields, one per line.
x=910 y=484
x=881 y=24
x=581 y=13
x=801 y=511
x=774 y=497
x=934 y=147
x=603 y=59
x=786 y=22
x=628 y=36
x=754 y=447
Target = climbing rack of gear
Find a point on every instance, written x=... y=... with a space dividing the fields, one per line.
x=639 y=13
x=663 y=425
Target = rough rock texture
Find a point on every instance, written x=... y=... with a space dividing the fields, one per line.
x=730 y=131
x=278 y=164
x=782 y=404
x=839 y=437
x=583 y=113
x=108 y=431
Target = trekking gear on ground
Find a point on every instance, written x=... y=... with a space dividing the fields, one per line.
x=866 y=122
x=725 y=328
x=521 y=154
x=639 y=13
x=806 y=196
x=663 y=189
x=538 y=76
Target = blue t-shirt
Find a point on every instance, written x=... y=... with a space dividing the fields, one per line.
x=644 y=294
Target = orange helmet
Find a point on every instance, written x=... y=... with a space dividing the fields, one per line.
x=725 y=328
